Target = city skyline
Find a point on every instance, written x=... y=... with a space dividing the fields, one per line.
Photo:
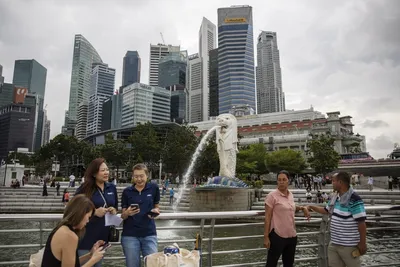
x=322 y=62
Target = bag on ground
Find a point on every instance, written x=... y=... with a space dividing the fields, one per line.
x=185 y=258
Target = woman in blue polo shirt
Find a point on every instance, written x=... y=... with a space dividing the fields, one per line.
x=105 y=199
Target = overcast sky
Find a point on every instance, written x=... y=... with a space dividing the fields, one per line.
x=335 y=55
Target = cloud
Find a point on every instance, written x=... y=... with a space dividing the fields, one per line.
x=382 y=144
x=335 y=55
x=375 y=124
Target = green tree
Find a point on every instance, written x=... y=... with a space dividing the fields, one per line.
x=208 y=161
x=21 y=158
x=323 y=157
x=114 y=151
x=286 y=159
x=252 y=160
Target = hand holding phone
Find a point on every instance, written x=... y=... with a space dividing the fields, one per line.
x=134 y=206
x=153 y=213
x=105 y=246
x=132 y=210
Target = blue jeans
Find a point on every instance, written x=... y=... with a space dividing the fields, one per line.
x=132 y=246
x=82 y=252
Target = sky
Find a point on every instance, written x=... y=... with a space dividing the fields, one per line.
x=341 y=55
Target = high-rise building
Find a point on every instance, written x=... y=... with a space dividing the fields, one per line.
x=270 y=97
x=106 y=114
x=6 y=94
x=235 y=58
x=1 y=77
x=156 y=53
x=142 y=103
x=179 y=103
x=82 y=120
x=46 y=130
x=131 y=68
x=101 y=87
x=172 y=69
x=213 y=82
x=195 y=85
x=31 y=74
x=207 y=42
x=84 y=55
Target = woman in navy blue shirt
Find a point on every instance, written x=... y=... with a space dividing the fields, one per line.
x=105 y=199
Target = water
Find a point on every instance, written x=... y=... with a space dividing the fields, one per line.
x=186 y=176
x=8 y=254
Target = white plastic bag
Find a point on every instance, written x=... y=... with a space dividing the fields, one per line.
x=185 y=258
x=36 y=259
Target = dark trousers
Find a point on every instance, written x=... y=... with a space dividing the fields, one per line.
x=281 y=246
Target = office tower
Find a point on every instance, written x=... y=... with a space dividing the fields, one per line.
x=142 y=103
x=6 y=94
x=156 y=53
x=270 y=97
x=82 y=120
x=84 y=55
x=213 y=82
x=235 y=58
x=172 y=69
x=1 y=77
x=195 y=85
x=207 y=42
x=46 y=130
x=106 y=114
x=131 y=68
x=31 y=74
x=179 y=103
x=101 y=87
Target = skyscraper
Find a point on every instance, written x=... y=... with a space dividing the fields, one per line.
x=31 y=74
x=82 y=120
x=84 y=55
x=46 y=129
x=172 y=69
x=1 y=77
x=270 y=97
x=131 y=68
x=207 y=42
x=156 y=53
x=213 y=82
x=179 y=103
x=235 y=58
x=101 y=88
x=195 y=85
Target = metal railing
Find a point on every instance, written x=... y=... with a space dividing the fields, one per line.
x=207 y=228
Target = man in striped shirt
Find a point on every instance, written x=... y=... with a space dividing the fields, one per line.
x=348 y=227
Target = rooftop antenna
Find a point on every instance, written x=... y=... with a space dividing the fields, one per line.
x=162 y=37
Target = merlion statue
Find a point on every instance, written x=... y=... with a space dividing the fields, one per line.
x=226 y=137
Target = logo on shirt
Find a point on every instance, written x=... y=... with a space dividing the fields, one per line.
x=110 y=193
x=149 y=195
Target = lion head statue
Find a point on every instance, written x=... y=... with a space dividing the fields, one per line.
x=228 y=131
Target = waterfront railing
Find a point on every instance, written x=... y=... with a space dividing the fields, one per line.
x=210 y=222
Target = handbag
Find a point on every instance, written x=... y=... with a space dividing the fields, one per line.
x=113 y=234
x=36 y=259
x=185 y=258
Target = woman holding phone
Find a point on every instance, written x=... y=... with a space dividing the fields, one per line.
x=105 y=199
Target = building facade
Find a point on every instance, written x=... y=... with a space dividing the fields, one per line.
x=207 y=42
x=172 y=69
x=131 y=68
x=195 y=85
x=1 y=77
x=179 y=103
x=6 y=94
x=101 y=88
x=270 y=97
x=236 y=79
x=30 y=74
x=46 y=129
x=213 y=82
x=156 y=53
x=106 y=114
x=84 y=55
x=142 y=103
x=82 y=120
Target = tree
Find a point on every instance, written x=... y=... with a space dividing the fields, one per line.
x=114 y=151
x=208 y=162
x=251 y=159
x=323 y=157
x=286 y=159
x=21 y=158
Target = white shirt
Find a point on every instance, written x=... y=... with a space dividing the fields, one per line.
x=72 y=178
x=370 y=180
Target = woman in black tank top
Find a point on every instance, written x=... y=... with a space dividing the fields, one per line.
x=65 y=239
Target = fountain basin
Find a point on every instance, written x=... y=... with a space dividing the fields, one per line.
x=221 y=199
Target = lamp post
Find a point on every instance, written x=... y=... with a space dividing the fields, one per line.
x=55 y=166
x=159 y=175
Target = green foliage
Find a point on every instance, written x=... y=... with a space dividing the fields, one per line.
x=21 y=158
x=208 y=161
x=286 y=159
x=114 y=151
x=323 y=157
x=252 y=159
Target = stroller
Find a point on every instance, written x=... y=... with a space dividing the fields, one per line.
x=173 y=256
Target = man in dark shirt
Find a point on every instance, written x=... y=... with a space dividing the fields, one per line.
x=140 y=204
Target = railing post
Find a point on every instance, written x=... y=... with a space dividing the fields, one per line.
x=210 y=243
x=41 y=233
x=323 y=242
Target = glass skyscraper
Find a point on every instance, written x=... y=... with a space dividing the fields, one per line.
x=235 y=58
x=131 y=68
x=84 y=56
x=30 y=74
x=172 y=69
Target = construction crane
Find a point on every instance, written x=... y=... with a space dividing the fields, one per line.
x=162 y=37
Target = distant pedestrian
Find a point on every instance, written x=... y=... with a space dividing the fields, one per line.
x=370 y=183
x=171 y=196
x=65 y=198
x=58 y=188
x=390 y=181
x=309 y=196
x=44 y=193
x=163 y=190
x=72 y=180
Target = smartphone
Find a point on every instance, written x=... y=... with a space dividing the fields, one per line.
x=105 y=246
x=134 y=206
x=153 y=214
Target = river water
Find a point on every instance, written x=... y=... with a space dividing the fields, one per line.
x=9 y=254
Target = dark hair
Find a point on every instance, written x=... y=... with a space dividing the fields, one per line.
x=343 y=176
x=283 y=172
x=139 y=167
x=75 y=212
x=89 y=185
